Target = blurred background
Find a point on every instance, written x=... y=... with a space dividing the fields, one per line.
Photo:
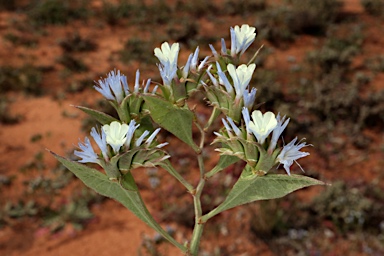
x=322 y=65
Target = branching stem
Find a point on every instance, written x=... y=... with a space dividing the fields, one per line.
x=199 y=226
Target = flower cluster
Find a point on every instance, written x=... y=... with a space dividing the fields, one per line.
x=128 y=141
x=247 y=134
x=231 y=93
x=249 y=141
x=116 y=90
x=117 y=139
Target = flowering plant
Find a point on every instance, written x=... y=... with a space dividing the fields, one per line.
x=248 y=135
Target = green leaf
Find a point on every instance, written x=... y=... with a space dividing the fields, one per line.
x=127 y=182
x=129 y=197
x=99 y=182
x=224 y=162
x=99 y=116
x=177 y=121
x=145 y=125
x=253 y=188
x=125 y=160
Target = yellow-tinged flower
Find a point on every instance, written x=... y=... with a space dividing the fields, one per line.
x=241 y=38
x=116 y=134
x=241 y=77
x=262 y=125
x=168 y=53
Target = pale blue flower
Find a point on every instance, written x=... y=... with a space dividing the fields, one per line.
x=223 y=47
x=146 y=88
x=167 y=73
x=241 y=38
x=223 y=79
x=114 y=87
x=87 y=154
x=262 y=125
x=101 y=141
x=155 y=89
x=280 y=127
x=195 y=59
x=137 y=84
x=162 y=145
x=234 y=127
x=141 y=138
x=187 y=66
x=227 y=127
x=214 y=52
x=131 y=131
x=247 y=119
x=290 y=153
x=230 y=127
x=116 y=135
x=233 y=42
x=152 y=137
x=202 y=63
x=249 y=98
x=241 y=77
x=211 y=77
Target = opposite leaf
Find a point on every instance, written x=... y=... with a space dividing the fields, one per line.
x=99 y=182
x=126 y=193
x=177 y=121
x=254 y=188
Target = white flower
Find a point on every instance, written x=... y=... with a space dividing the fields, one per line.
x=241 y=38
x=114 y=87
x=168 y=53
x=290 y=153
x=116 y=134
x=167 y=56
x=87 y=154
x=241 y=77
x=262 y=125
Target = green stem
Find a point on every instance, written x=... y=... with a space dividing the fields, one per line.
x=199 y=226
x=215 y=113
x=168 y=166
x=209 y=215
x=196 y=237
